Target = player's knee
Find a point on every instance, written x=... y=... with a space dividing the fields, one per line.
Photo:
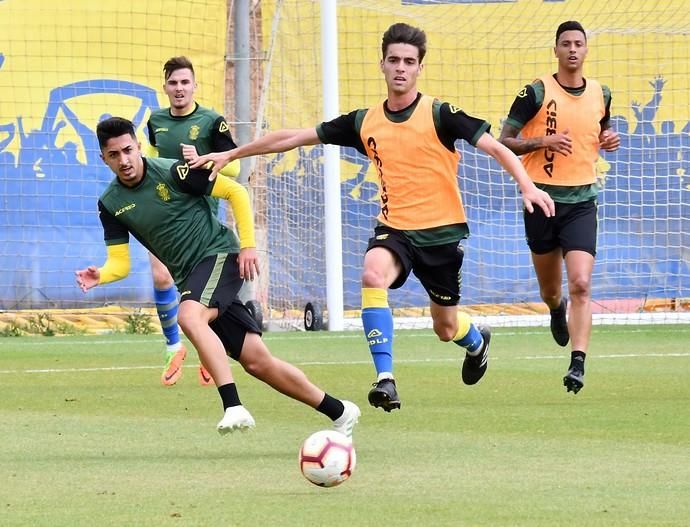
x=162 y=278
x=190 y=317
x=255 y=369
x=580 y=286
x=187 y=321
x=444 y=331
x=550 y=295
x=374 y=279
x=255 y=361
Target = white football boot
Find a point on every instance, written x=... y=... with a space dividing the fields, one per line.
x=346 y=422
x=235 y=418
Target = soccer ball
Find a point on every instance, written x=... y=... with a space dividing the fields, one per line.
x=327 y=458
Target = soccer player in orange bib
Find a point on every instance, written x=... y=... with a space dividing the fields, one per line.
x=563 y=121
x=410 y=139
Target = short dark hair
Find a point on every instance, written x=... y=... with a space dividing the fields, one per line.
x=177 y=63
x=570 y=25
x=113 y=127
x=401 y=33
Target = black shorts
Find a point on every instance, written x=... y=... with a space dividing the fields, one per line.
x=573 y=228
x=437 y=266
x=215 y=282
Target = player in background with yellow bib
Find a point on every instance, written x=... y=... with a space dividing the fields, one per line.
x=563 y=121
x=410 y=140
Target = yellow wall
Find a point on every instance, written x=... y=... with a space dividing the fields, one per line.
x=480 y=55
x=50 y=44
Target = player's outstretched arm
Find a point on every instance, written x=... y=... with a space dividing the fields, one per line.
x=531 y=195
x=116 y=267
x=271 y=143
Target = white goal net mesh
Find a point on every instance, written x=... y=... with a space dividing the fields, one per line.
x=480 y=54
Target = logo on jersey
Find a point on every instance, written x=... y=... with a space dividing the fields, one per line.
x=160 y=130
x=454 y=109
x=438 y=295
x=382 y=237
x=163 y=192
x=223 y=127
x=522 y=93
x=371 y=143
x=194 y=132
x=551 y=129
x=182 y=171
x=125 y=209
x=376 y=337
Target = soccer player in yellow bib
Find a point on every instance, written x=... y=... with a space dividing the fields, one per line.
x=410 y=139
x=563 y=121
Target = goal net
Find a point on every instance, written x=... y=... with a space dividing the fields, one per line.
x=480 y=54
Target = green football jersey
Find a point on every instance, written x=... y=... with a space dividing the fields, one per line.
x=204 y=128
x=169 y=214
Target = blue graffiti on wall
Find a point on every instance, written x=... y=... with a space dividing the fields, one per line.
x=49 y=224
x=48 y=216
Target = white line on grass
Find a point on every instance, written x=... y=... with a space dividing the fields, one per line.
x=355 y=362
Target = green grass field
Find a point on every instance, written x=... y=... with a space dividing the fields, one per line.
x=89 y=437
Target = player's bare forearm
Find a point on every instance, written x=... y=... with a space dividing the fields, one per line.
x=271 y=143
x=523 y=146
x=278 y=141
x=559 y=142
x=509 y=137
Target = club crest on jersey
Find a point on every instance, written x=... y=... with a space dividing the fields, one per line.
x=163 y=192
x=194 y=132
x=223 y=127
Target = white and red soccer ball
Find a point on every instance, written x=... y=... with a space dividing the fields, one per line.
x=327 y=458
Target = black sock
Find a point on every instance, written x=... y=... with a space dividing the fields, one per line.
x=577 y=360
x=331 y=407
x=228 y=393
